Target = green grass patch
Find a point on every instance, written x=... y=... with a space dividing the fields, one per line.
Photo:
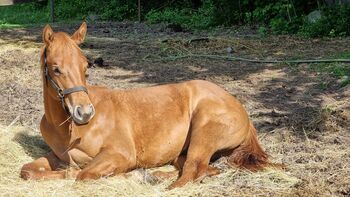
x=343 y=55
x=338 y=70
x=23 y=14
x=194 y=19
x=10 y=26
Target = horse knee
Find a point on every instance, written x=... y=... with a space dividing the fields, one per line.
x=28 y=172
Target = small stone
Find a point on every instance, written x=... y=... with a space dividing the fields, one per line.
x=345 y=78
x=314 y=16
x=229 y=50
x=291 y=90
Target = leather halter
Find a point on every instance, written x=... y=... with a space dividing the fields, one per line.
x=60 y=92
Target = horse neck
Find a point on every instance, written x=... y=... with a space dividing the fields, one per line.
x=57 y=117
x=54 y=112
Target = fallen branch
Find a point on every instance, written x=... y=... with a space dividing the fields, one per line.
x=230 y=58
x=198 y=40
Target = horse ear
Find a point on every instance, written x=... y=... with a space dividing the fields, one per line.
x=47 y=34
x=79 y=35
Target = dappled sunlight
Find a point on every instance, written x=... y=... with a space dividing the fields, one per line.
x=300 y=122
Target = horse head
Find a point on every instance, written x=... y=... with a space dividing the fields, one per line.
x=64 y=68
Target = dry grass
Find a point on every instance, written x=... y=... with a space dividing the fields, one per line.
x=299 y=124
x=19 y=145
x=9 y=54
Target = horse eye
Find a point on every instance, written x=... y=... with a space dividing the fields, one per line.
x=56 y=71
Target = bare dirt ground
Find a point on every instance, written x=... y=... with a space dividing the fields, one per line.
x=301 y=122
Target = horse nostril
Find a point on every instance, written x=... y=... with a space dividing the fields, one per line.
x=78 y=112
x=83 y=114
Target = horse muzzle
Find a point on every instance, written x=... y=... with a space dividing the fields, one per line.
x=82 y=114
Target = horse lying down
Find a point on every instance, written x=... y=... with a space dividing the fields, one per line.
x=96 y=132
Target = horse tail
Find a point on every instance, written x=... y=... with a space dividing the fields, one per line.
x=250 y=155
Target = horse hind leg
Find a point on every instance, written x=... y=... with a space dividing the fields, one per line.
x=199 y=153
x=195 y=168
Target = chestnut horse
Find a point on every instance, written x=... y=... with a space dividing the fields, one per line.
x=96 y=132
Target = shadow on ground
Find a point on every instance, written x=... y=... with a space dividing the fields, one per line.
x=33 y=145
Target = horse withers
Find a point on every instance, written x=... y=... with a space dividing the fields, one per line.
x=96 y=132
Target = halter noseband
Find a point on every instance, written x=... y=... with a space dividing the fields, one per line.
x=60 y=92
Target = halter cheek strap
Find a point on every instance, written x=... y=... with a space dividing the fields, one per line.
x=60 y=92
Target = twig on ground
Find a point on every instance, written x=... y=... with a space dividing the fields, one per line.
x=230 y=58
x=13 y=122
x=306 y=137
x=198 y=39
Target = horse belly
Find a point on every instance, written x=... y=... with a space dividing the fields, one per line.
x=163 y=148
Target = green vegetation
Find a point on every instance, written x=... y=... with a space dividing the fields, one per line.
x=338 y=70
x=23 y=14
x=334 y=22
x=107 y=10
x=269 y=16
x=189 y=18
x=276 y=16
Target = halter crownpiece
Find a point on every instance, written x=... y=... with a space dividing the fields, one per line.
x=60 y=92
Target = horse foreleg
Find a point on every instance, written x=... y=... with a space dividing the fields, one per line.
x=105 y=164
x=46 y=168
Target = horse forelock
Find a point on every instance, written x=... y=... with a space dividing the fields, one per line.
x=62 y=44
